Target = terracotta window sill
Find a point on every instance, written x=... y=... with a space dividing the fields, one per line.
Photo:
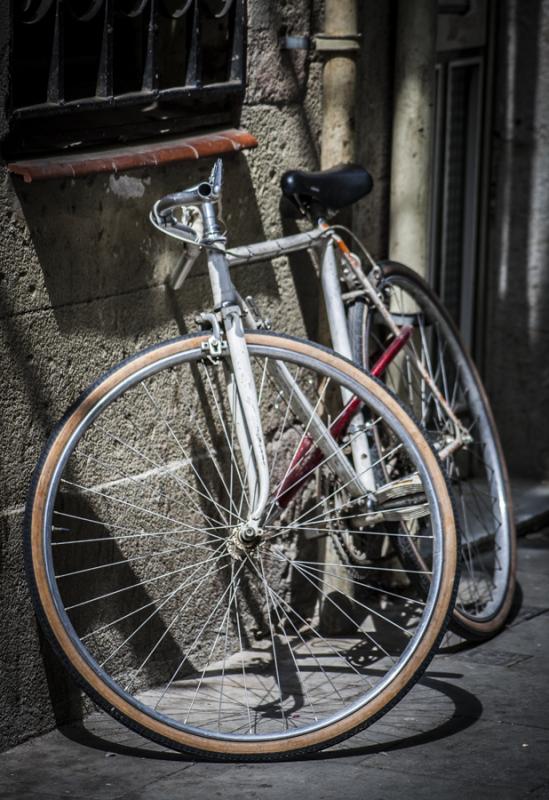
x=119 y=159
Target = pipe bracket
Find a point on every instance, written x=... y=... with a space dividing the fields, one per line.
x=323 y=42
x=337 y=42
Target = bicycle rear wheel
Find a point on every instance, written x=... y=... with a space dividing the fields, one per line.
x=154 y=603
x=477 y=472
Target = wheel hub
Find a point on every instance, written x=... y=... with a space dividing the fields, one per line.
x=243 y=540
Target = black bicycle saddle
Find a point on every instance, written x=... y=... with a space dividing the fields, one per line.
x=332 y=188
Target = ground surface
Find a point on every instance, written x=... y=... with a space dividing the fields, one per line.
x=477 y=726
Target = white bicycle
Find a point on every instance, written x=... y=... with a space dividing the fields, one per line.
x=190 y=516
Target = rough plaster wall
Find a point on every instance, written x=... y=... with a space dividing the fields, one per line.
x=517 y=364
x=81 y=286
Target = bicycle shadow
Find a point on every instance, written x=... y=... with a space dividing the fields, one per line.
x=437 y=708
x=118 y=262
x=124 y=630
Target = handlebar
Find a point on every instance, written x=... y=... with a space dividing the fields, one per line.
x=205 y=191
x=194 y=196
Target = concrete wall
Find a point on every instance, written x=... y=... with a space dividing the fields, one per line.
x=517 y=329
x=82 y=286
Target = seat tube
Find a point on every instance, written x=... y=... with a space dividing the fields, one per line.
x=335 y=307
x=341 y=342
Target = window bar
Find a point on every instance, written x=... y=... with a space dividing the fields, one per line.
x=237 y=52
x=150 y=70
x=59 y=19
x=104 y=86
x=55 y=78
x=194 y=64
x=32 y=15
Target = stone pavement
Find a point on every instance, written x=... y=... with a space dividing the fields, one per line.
x=477 y=726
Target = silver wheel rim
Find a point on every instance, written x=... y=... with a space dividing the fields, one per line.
x=472 y=510
x=306 y=570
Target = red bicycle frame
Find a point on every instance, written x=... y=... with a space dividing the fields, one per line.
x=307 y=456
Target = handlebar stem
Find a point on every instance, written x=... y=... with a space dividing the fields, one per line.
x=212 y=230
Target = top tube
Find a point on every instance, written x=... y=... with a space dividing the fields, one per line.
x=260 y=251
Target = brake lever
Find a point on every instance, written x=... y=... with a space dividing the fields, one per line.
x=216 y=178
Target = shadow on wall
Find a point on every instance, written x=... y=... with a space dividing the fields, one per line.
x=279 y=76
x=94 y=241
x=375 y=68
x=95 y=269
x=85 y=288
x=518 y=375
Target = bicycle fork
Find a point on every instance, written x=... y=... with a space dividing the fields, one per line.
x=242 y=392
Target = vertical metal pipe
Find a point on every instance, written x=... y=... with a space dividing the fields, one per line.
x=413 y=125
x=339 y=80
x=338 y=103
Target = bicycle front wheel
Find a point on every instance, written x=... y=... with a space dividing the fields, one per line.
x=477 y=471
x=170 y=620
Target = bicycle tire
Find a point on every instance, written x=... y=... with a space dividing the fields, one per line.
x=115 y=414
x=487 y=534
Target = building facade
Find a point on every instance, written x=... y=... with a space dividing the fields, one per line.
x=82 y=281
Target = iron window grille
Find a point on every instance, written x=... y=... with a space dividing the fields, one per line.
x=88 y=72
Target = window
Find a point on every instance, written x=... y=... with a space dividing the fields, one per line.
x=87 y=72
x=458 y=229
x=458 y=92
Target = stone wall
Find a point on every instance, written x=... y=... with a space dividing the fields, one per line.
x=82 y=286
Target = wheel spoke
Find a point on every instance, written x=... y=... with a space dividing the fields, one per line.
x=189 y=617
x=475 y=470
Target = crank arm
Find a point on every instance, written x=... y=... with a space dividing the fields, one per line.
x=404 y=487
x=403 y=514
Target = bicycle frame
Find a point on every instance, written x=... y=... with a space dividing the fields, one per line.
x=335 y=309
x=233 y=314
x=322 y=442
x=246 y=411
